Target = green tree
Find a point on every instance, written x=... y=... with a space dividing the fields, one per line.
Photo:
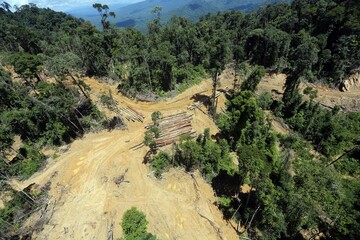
x=155 y=116
x=268 y=47
x=219 y=54
x=27 y=66
x=291 y=98
x=104 y=14
x=134 y=225
x=243 y=120
x=251 y=83
x=189 y=155
x=160 y=163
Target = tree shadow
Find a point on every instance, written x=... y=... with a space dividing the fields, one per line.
x=204 y=99
x=224 y=184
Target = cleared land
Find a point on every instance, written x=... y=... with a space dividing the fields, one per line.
x=85 y=201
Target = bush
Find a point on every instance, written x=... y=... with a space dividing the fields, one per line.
x=30 y=160
x=225 y=205
x=311 y=92
x=108 y=101
x=265 y=101
x=187 y=77
x=134 y=225
x=155 y=116
x=149 y=139
x=161 y=163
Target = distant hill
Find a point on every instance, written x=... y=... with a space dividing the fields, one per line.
x=193 y=10
x=138 y=14
x=197 y=8
x=89 y=13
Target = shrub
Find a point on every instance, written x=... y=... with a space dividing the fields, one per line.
x=265 y=101
x=134 y=225
x=30 y=161
x=161 y=163
x=108 y=101
x=155 y=116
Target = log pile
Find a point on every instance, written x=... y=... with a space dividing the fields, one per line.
x=172 y=127
x=131 y=114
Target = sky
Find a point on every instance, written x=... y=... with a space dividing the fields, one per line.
x=61 y=5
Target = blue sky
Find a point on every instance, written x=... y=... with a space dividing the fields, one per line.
x=61 y=5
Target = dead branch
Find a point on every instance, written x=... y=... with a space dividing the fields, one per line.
x=121 y=178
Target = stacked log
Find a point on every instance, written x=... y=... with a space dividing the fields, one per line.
x=131 y=114
x=172 y=127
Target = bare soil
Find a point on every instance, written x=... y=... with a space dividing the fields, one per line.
x=349 y=101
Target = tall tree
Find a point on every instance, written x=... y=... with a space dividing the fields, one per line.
x=104 y=14
x=218 y=56
x=254 y=79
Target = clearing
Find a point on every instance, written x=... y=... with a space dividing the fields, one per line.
x=86 y=203
x=326 y=96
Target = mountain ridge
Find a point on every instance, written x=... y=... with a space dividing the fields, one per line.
x=138 y=14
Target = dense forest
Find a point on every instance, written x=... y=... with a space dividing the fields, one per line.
x=293 y=192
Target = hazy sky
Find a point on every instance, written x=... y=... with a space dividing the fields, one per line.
x=61 y=5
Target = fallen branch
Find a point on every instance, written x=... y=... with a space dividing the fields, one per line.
x=213 y=224
x=120 y=179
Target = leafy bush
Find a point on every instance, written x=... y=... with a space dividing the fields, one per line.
x=265 y=101
x=148 y=139
x=225 y=205
x=154 y=131
x=155 y=116
x=134 y=225
x=29 y=161
x=311 y=92
x=161 y=163
x=206 y=155
x=251 y=83
x=349 y=164
x=189 y=77
x=108 y=101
